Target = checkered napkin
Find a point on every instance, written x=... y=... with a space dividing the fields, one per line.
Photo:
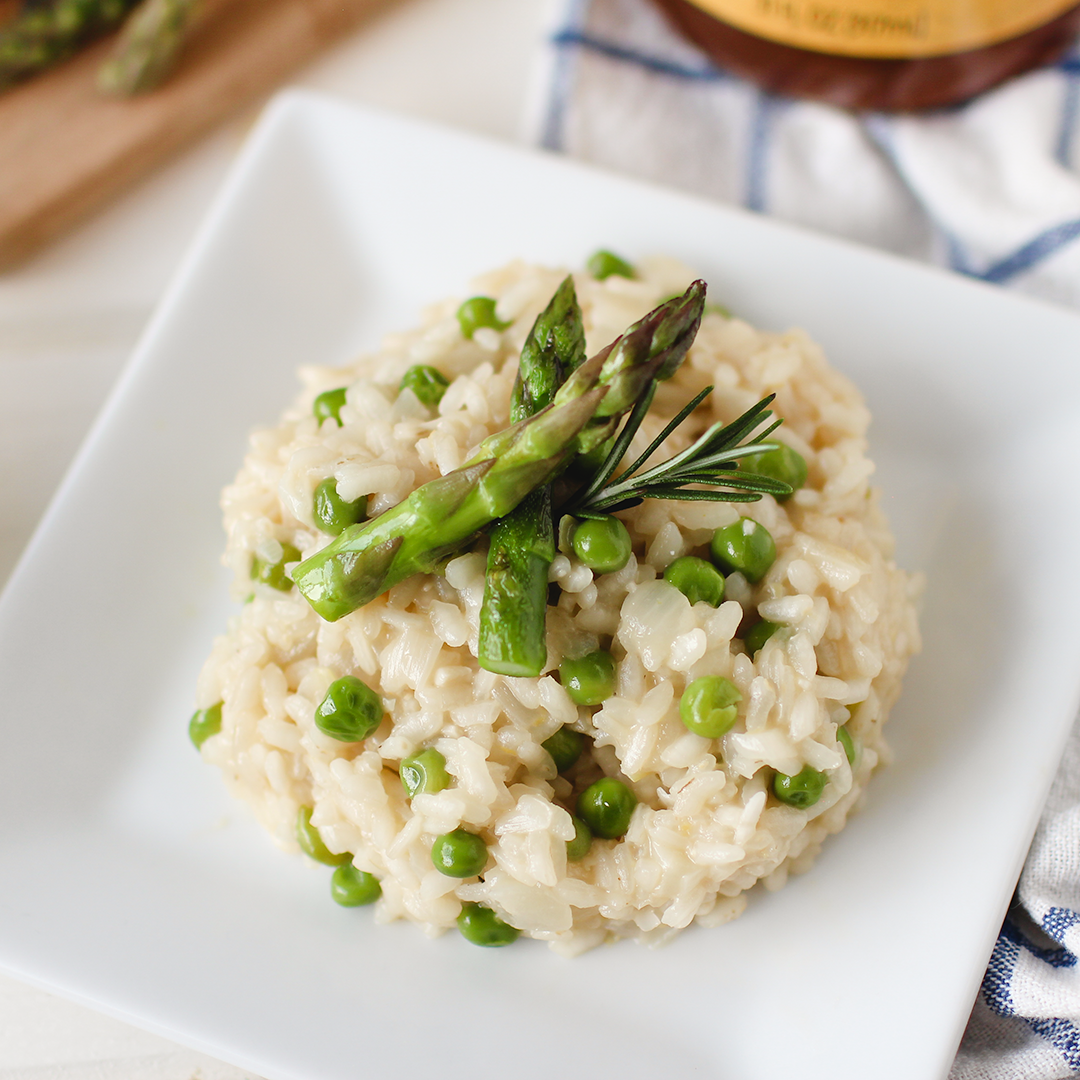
x=989 y=190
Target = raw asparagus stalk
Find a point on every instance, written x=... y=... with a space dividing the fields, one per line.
x=43 y=34
x=513 y=617
x=440 y=517
x=147 y=47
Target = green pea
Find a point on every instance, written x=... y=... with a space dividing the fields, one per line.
x=332 y=513
x=350 y=887
x=328 y=405
x=307 y=836
x=708 y=706
x=696 y=579
x=744 y=546
x=758 y=634
x=482 y=926
x=590 y=679
x=273 y=574
x=801 y=790
x=602 y=544
x=204 y=723
x=424 y=773
x=603 y=264
x=578 y=848
x=476 y=312
x=459 y=854
x=427 y=383
x=783 y=463
x=350 y=711
x=843 y=737
x=606 y=807
x=565 y=747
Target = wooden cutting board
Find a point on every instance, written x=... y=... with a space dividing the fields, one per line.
x=65 y=149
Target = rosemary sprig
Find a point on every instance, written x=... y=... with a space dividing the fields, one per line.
x=710 y=464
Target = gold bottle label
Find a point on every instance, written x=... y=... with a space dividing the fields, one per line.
x=886 y=28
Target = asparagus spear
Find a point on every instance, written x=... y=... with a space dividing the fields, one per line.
x=43 y=34
x=147 y=47
x=514 y=613
x=437 y=519
x=554 y=348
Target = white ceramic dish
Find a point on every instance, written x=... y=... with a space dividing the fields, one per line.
x=132 y=884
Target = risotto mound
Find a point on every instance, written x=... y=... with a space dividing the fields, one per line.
x=472 y=799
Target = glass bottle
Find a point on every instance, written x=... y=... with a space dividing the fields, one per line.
x=879 y=54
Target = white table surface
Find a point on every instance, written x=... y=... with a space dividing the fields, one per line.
x=69 y=320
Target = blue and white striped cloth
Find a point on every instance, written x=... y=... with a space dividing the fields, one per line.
x=990 y=189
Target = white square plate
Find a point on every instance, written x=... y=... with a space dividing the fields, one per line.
x=131 y=883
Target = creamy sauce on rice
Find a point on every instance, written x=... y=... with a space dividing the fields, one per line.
x=707 y=827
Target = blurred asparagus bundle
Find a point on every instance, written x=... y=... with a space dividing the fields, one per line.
x=44 y=32
x=147 y=47
x=47 y=31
